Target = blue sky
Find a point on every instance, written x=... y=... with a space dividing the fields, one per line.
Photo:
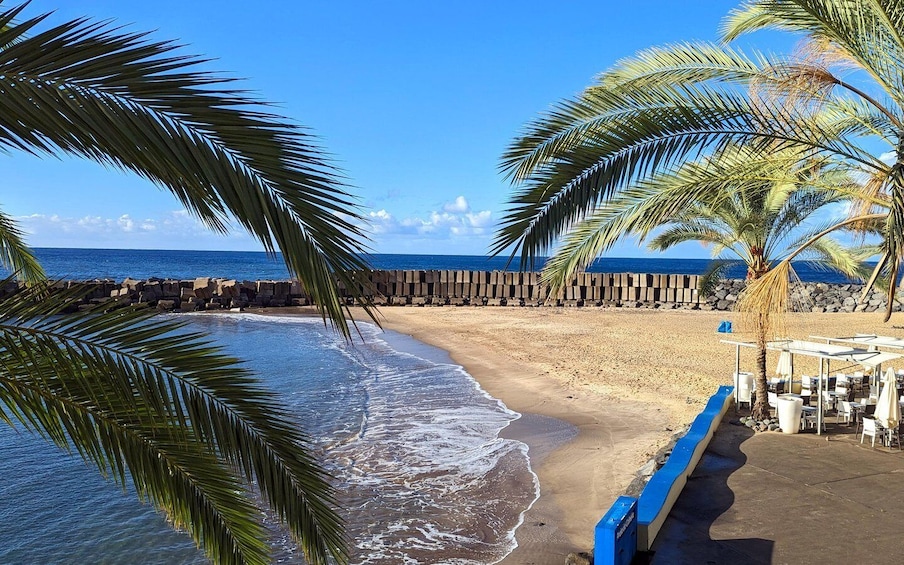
x=415 y=101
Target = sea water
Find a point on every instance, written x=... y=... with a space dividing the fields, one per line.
x=117 y=264
x=412 y=440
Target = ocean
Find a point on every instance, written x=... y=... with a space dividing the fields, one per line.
x=412 y=440
x=117 y=264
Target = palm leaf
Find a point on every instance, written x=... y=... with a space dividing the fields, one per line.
x=118 y=98
x=170 y=411
x=606 y=141
x=714 y=273
x=15 y=255
x=867 y=32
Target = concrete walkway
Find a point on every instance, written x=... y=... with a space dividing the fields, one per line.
x=776 y=498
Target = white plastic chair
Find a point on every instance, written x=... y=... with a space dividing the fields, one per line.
x=858 y=380
x=810 y=418
x=845 y=411
x=842 y=382
x=745 y=386
x=772 y=398
x=806 y=386
x=893 y=437
x=744 y=393
x=841 y=393
x=870 y=428
x=828 y=401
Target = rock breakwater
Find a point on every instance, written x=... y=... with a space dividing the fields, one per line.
x=807 y=297
x=483 y=288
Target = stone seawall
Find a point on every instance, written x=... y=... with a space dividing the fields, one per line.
x=468 y=288
x=807 y=297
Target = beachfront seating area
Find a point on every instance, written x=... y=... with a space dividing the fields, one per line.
x=849 y=403
x=866 y=387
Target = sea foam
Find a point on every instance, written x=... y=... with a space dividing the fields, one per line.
x=412 y=440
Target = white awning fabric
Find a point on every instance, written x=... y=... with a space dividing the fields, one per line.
x=870 y=340
x=831 y=352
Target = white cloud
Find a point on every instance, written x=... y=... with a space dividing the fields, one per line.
x=176 y=229
x=125 y=223
x=437 y=225
x=480 y=219
x=463 y=230
x=41 y=224
x=459 y=206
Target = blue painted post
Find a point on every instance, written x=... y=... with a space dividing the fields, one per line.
x=615 y=537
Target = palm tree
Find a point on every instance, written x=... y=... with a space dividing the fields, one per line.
x=761 y=208
x=670 y=105
x=187 y=425
x=840 y=100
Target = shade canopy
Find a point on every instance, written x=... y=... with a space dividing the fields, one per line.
x=869 y=340
x=827 y=351
x=834 y=352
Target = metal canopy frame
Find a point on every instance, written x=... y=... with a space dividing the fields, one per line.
x=873 y=342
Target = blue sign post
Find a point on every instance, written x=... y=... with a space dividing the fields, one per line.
x=615 y=537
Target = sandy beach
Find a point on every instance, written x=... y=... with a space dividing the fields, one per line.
x=623 y=378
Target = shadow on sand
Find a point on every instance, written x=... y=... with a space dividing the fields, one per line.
x=685 y=536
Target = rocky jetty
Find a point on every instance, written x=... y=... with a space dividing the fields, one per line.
x=439 y=288
x=806 y=297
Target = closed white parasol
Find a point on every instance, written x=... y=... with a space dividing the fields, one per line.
x=888 y=411
x=785 y=367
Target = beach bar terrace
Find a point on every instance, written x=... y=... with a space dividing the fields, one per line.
x=872 y=359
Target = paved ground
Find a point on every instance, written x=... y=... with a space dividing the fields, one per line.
x=776 y=498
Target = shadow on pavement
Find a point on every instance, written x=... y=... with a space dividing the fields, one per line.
x=685 y=536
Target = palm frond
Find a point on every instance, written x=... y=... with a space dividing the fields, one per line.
x=714 y=273
x=15 y=254
x=764 y=302
x=128 y=102
x=133 y=395
x=637 y=211
x=607 y=140
x=692 y=231
x=846 y=260
x=869 y=32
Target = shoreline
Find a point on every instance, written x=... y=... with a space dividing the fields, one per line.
x=565 y=458
x=623 y=378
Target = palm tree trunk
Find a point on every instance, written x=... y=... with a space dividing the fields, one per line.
x=756 y=268
x=760 y=410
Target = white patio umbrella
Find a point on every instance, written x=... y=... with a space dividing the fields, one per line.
x=785 y=367
x=888 y=411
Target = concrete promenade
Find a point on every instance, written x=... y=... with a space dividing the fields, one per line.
x=776 y=498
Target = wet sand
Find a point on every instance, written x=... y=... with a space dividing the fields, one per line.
x=601 y=389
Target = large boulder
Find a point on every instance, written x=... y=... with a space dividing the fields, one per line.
x=204 y=288
x=228 y=289
x=171 y=289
